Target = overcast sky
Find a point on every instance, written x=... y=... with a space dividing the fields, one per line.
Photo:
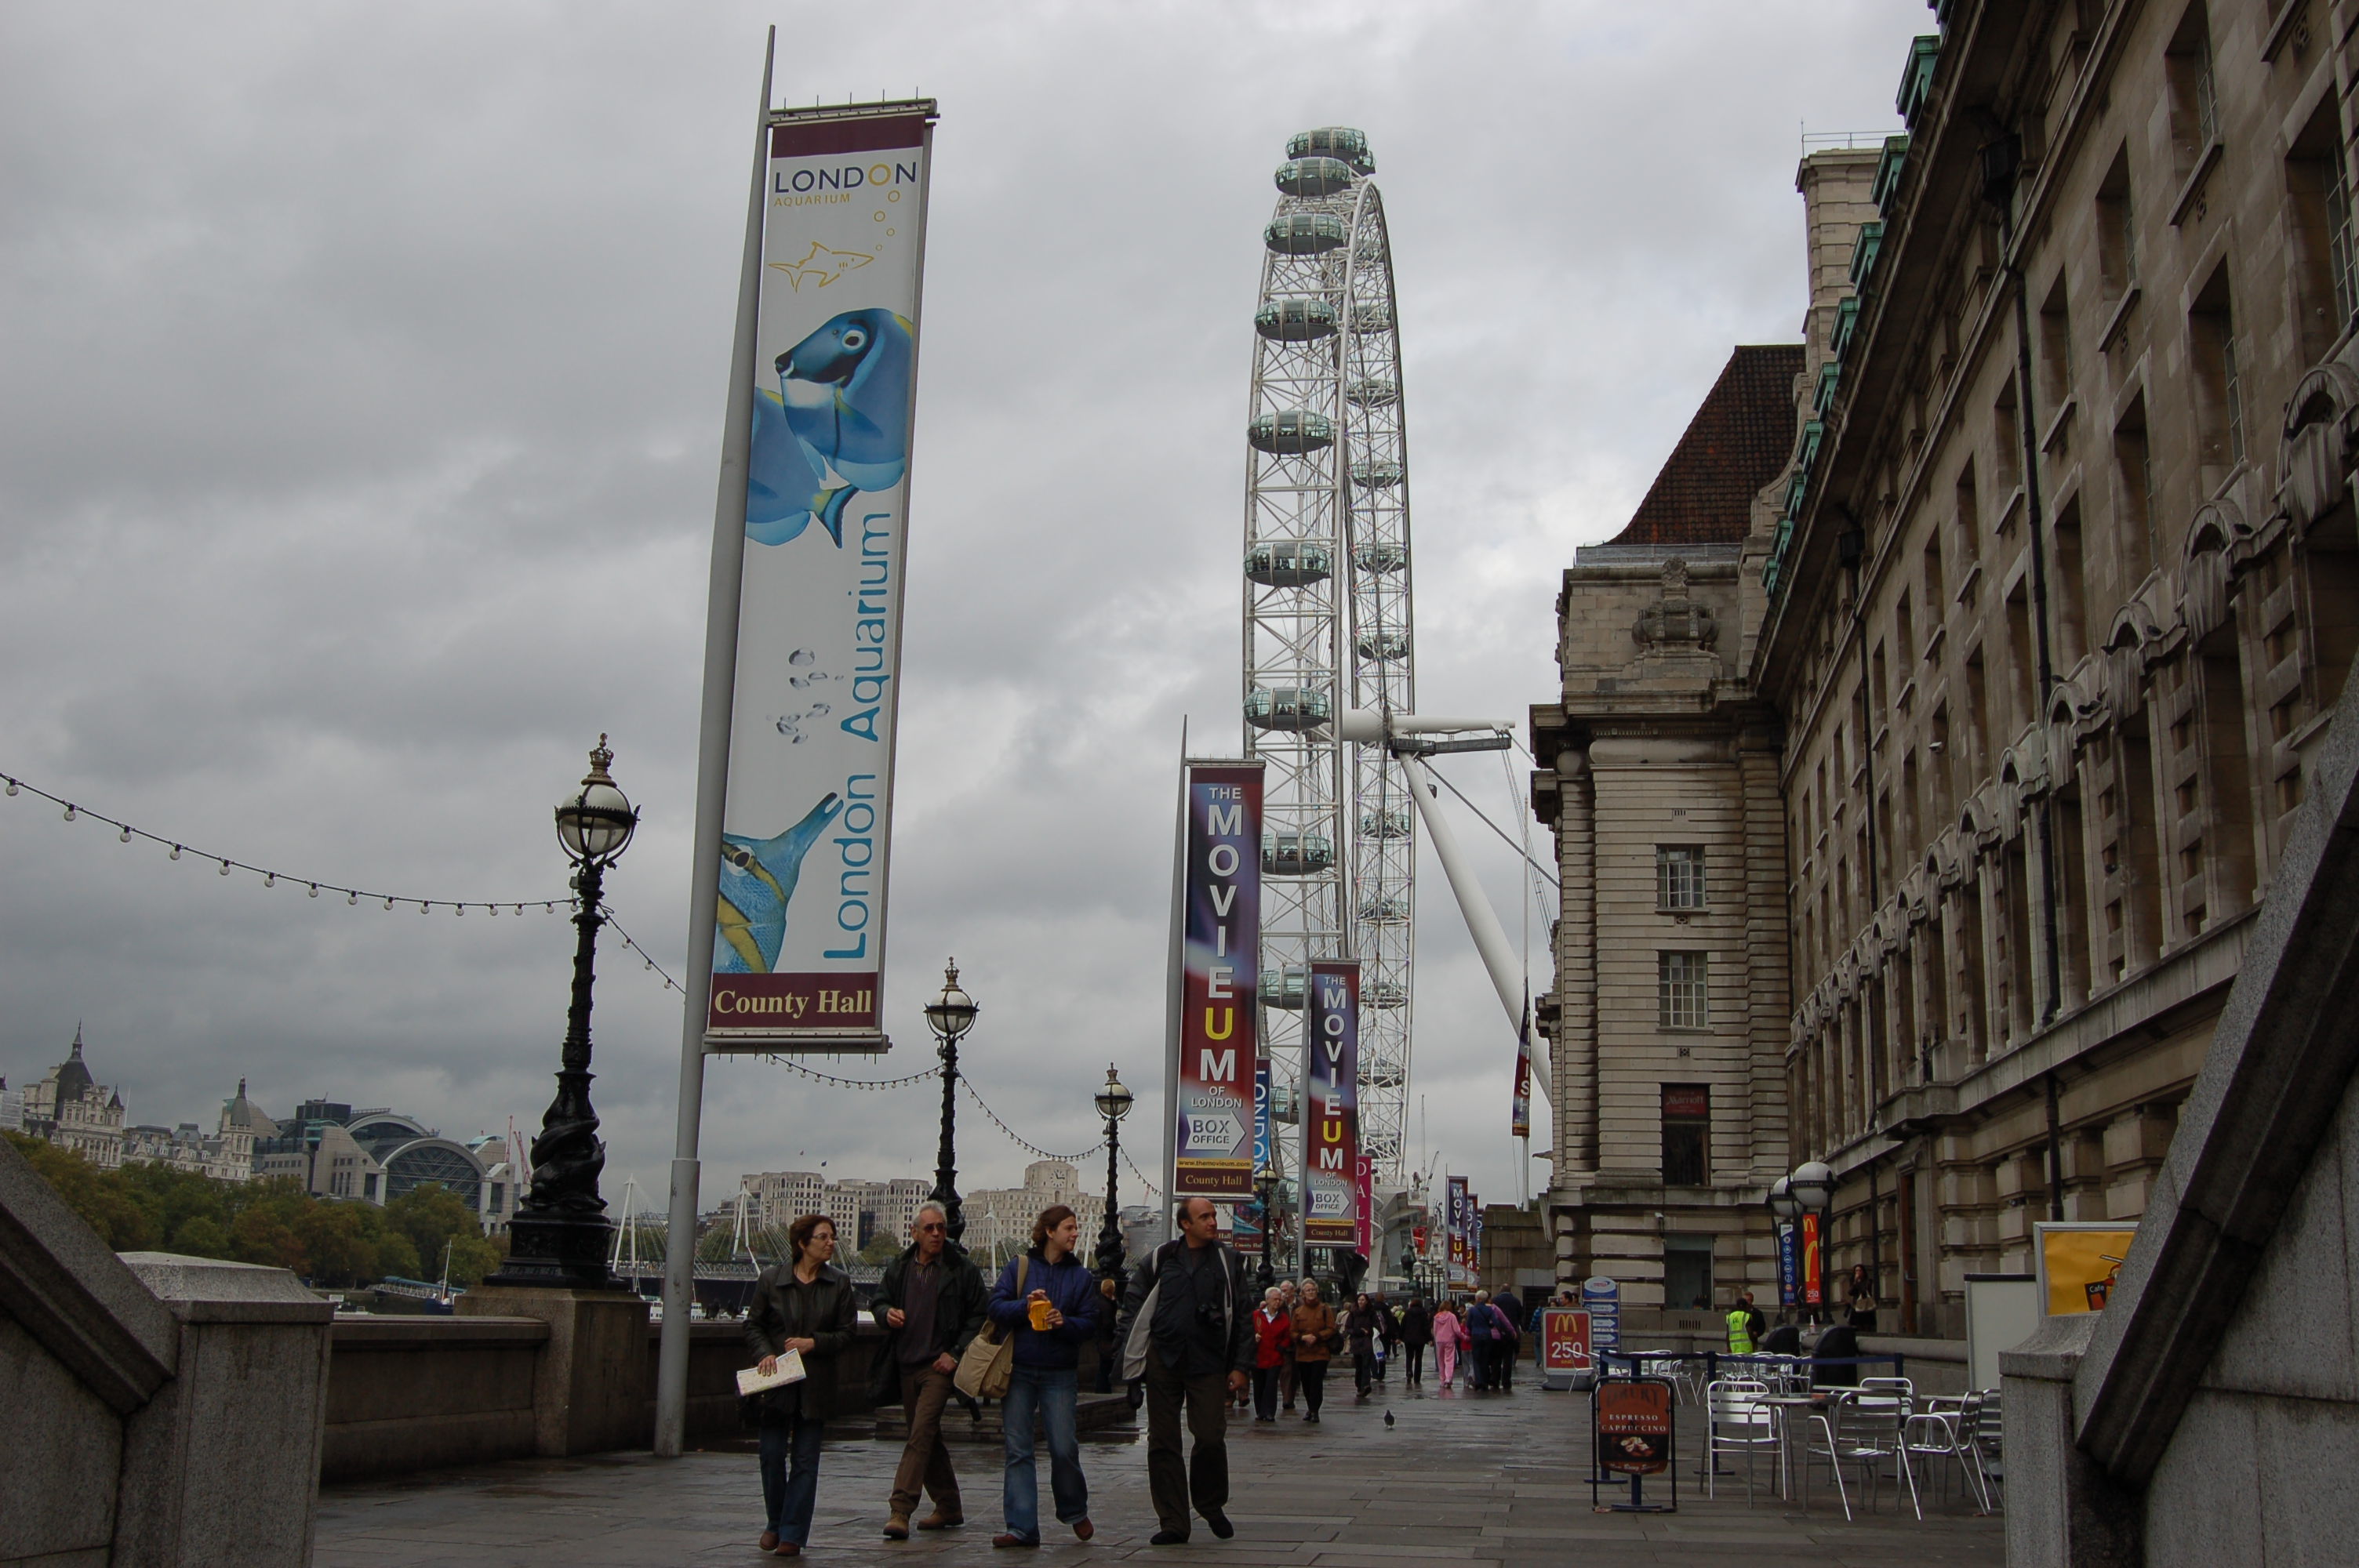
x=362 y=372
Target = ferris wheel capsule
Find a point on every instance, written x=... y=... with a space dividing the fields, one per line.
x=1305 y=233
x=1333 y=141
x=1292 y=432
x=1290 y=563
x=1312 y=178
x=1295 y=320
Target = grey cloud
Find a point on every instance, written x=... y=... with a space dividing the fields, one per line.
x=362 y=374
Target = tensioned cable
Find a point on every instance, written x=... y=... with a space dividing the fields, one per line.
x=271 y=879
x=1510 y=843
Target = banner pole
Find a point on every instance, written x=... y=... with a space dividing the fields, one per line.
x=1175 y=996
x=712 y=794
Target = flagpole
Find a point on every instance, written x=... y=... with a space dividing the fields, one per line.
x=711 y=793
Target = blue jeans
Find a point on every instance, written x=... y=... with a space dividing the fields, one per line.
x=1032 y=1389
x=790 y=1475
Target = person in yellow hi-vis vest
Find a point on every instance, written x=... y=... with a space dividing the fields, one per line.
x=1743 y=1323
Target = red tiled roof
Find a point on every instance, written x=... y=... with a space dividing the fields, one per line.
x=1738 y=442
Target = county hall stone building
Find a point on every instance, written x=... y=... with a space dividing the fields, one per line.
x=1927 y=741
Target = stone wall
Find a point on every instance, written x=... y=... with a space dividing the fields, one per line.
x=162 y=1410
x=415 y=1393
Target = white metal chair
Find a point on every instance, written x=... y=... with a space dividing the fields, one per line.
x=1864 y=1429
x=1737 y=1421
x=1944 y=1430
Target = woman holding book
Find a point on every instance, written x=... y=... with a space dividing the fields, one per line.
x=805 y=1308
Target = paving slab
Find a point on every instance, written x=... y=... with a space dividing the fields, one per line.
x=1462 y=1480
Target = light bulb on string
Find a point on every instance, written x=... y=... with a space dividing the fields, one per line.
x=352 y=898
x=388 y=903
x=12 y=786
x=315 y=889
x=70 y=812
x=270 y=880
x=123 y=837
x=224 y=870
x=175 y=851
x=460 y=910
x=426 y=907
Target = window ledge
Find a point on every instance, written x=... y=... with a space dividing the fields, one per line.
x=2118 y=322
x=2294 y=13
x=1681 y=909
x=1967 y=583
x=2194 y=185
x=2057 y=426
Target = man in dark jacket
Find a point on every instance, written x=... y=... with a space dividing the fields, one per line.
x=1187 y=1332
x=930 y=1303
x=1511 y=1316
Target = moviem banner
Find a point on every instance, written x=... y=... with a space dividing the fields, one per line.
x=1220 y=982
x=798 y=952
x=1331 y=1114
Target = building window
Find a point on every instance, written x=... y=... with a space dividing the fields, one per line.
x=1680 y=992
x=1687 y=1273
x=1687 y=1136
x=1679 y=876
x=2339 y=266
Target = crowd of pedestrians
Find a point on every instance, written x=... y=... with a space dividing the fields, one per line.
x=1187 y=1331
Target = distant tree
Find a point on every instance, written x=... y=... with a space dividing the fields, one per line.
x=714 y=1245
x=881 y=1249
x=433 y=1217
x=337 y=1249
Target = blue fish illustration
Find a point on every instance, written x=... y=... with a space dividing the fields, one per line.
x=758 y=881
x=839 y=424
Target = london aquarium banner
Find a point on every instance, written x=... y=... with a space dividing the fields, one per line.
x=1331 y=1119
x=799 y=950
x=1220 y=982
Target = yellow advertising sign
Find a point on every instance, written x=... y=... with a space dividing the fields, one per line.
x=2079 y=1263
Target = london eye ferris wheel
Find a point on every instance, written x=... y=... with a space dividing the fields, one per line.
x=1327 y=622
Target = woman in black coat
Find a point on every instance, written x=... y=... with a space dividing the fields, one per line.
x=1415 y=1333
x=806 y=1306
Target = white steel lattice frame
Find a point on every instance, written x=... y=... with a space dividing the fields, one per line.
x=1356 y=619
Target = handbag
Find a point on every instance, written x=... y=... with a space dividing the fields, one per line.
x=989 y=1364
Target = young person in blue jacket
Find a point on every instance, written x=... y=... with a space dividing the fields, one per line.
x=1052 y=1280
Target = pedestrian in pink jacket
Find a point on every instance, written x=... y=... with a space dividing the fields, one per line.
x=1449 y=1334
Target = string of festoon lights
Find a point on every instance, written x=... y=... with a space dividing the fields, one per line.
x=312 y=886
x=836 y=1081
x=11 y=785
x=1019 y=1140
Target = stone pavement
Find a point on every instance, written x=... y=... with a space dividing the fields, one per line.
x=1465 y=1480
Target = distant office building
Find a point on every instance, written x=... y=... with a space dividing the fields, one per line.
x=377 y=1155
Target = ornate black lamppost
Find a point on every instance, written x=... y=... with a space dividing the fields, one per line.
x=1113 y=1104
x=950 y=1016
x=560 y=1233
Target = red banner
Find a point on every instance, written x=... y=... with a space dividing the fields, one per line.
x=1813 y=1278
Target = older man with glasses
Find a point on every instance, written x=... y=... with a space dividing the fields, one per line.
x=930 y=1303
